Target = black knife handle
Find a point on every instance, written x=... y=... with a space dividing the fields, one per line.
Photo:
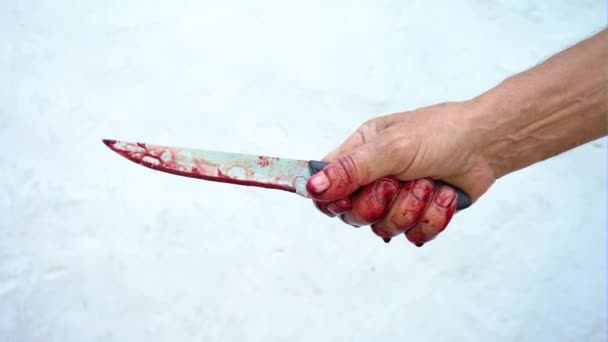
x=464 y=200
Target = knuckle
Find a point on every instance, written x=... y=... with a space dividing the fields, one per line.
x=348 y=167
x=370 y=128
x=369 y=125
x=408 y=211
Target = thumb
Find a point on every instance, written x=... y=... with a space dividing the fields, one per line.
x=345 y=174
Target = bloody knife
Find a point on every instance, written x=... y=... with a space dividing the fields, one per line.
x=243 y=169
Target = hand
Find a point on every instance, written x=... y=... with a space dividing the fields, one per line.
x=382 y=175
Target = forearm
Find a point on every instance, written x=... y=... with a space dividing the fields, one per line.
x=553 y=107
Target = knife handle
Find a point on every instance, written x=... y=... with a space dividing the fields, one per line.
x=463 y=200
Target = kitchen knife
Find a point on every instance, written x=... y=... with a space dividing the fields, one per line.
x=267 y=172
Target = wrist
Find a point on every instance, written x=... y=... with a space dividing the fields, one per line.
x=544 y=111
x=493 y=121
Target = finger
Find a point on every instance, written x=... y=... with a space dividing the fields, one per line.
x=339 y=207
x=322 y=207
x=407 y=209
x=361 y=136
x=354 y=141
x=350 y=171
x=335 y=208
x=436 y=218
x=475 y=181
x=372 y=202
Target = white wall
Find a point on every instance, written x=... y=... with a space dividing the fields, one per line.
x=94 y=248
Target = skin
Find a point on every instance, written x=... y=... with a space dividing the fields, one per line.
x=382 y=175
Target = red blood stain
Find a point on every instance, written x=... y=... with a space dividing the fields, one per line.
x=411 y=208
x=407 y=209
x=445 y=196
x=448 y=215
x=382 y=232
x=340 y=207
x=341 y=174
x=264 y=161
x=173 y=166
x=416 y=236
x=435 y=222
x=373 y=202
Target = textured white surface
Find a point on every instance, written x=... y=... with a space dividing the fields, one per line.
x=94 y=248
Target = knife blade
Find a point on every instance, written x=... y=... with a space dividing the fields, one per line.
x=268 y=172
x=235 y=168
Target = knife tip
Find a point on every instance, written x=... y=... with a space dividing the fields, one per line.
x=108 y=142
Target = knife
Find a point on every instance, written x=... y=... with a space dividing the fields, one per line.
x=235 y=168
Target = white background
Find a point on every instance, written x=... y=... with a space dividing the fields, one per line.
x=95 y=248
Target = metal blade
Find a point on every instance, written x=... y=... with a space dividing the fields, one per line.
x=252 y=170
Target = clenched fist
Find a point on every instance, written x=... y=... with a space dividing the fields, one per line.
x=382 y=175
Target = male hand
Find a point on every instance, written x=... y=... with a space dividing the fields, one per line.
x=382 y=175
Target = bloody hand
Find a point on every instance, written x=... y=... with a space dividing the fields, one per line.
x=380 y=175
x=392 y=207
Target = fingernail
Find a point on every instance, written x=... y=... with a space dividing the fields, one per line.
x=420 y=244
x=340 y=207
x=445 y=197
x=386 y=240
x=343 y=219
x=423 y=188
x=318 y=183
x=323 y=208
x=334 y=209
x=385 y=191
